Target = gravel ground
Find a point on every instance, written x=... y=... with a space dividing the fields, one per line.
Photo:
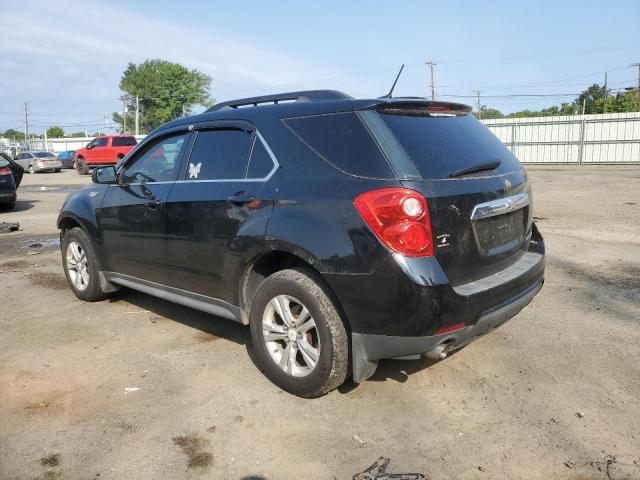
x=135 y=387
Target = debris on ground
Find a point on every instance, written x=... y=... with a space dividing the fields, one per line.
x=378 y=471
x=131 y=389
x=6 y=227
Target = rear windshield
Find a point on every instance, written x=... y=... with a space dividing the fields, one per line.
x=43 y=154
x=123 y=142
x=342 y=140
x=440 y=145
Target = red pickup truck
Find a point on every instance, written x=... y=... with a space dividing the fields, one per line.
x=103 y=151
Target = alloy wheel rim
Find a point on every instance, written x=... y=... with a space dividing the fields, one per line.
x=291 y=335
x=77 y=266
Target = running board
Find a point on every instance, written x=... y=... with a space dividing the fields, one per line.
x=196 y=301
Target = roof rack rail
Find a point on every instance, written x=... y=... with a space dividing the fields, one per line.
x=302 y=96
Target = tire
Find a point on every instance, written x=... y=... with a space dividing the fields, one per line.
x=81 y=167
x=31 y=170
x=328 y=337
x=56 y=170
x=87 y=289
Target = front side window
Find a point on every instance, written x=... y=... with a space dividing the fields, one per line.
x=219 y=155
x=102 y=142
x=157 y=162
x=92 y=143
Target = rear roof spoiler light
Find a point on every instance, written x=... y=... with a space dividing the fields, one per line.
x=409 y=107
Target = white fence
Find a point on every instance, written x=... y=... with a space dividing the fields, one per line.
x=57 y=145
x=608 y=138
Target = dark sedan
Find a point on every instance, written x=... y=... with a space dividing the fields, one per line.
x=67 y=158
x=10 y=177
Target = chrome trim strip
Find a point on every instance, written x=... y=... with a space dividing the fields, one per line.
x=196 y=301
x=500 y=206
x=265 y=179
x=525 y=263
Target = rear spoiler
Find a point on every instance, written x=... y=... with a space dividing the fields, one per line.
x=411 y=106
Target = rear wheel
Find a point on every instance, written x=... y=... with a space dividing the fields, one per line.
x=81 y=166
x=81 y=266
x=56 y=170
x=31 y=169
x=297 y=334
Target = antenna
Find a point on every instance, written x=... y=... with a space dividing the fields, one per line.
x=388 y=95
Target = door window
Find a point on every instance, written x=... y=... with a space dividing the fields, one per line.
x=219 y=155
x=92 y=143
x=102 y=142
x=157 y=162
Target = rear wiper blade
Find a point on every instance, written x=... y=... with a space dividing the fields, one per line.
x=475 y=169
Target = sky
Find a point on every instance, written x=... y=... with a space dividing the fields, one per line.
x=65 y=58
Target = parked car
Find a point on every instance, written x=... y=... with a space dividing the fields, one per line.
x=35 y=162
x=67 y=158
x=341 y=231
x=102 y=151
x=10 y=178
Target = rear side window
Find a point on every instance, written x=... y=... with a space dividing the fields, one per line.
x=260 y=163
x=123 y=142
x=219 y=155
x=342 y=140
x=440 y=145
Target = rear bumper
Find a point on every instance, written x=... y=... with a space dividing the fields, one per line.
x=368 y=349
x=47 y=167
x=7 y=197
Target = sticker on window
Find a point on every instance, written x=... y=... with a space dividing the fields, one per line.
x=194 y=170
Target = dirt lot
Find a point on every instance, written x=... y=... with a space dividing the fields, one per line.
x=135 y=387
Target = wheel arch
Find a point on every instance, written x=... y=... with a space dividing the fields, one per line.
x=274 y=261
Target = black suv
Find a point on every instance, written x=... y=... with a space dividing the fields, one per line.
x=342 y=231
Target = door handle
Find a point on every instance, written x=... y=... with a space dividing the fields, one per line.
x=154 y=204
x=240 y=198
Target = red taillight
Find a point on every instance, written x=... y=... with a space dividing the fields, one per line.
x=400 y=218
x=5 y=171
x=449 y=329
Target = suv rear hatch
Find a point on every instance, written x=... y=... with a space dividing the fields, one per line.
x=478 y=193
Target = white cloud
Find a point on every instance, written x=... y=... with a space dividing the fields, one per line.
x=67 y=57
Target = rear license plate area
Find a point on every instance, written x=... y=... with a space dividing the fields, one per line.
x=500 y=233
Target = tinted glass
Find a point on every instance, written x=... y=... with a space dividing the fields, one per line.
x=123 y=142
x=219 y=155
x=43 y=154
x=441 y=145
x=157 y=162
x=102 y=142
x=342 y=140
x=4 y=162
x=260 y=163
x=92 y=143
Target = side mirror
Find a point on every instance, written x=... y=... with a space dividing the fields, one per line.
x=104 y=175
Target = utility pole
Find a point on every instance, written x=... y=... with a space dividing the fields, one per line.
x=26 y=125
x=432 y=84
x=478 y=92
x=124 y=114
x=605 y=93
x=137 y=114
x=637 y=86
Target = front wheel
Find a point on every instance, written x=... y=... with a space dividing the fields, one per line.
x=31 y=169
x=81 y=266
x=297 y=334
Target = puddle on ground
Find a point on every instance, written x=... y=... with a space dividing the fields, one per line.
x=13 y=245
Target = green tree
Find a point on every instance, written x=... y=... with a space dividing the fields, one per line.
x=589 y=97
x=76 y=134
x=13 y=134
x=165 y=91
x=487 y=113
x=55 y=132
x=621 y=102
